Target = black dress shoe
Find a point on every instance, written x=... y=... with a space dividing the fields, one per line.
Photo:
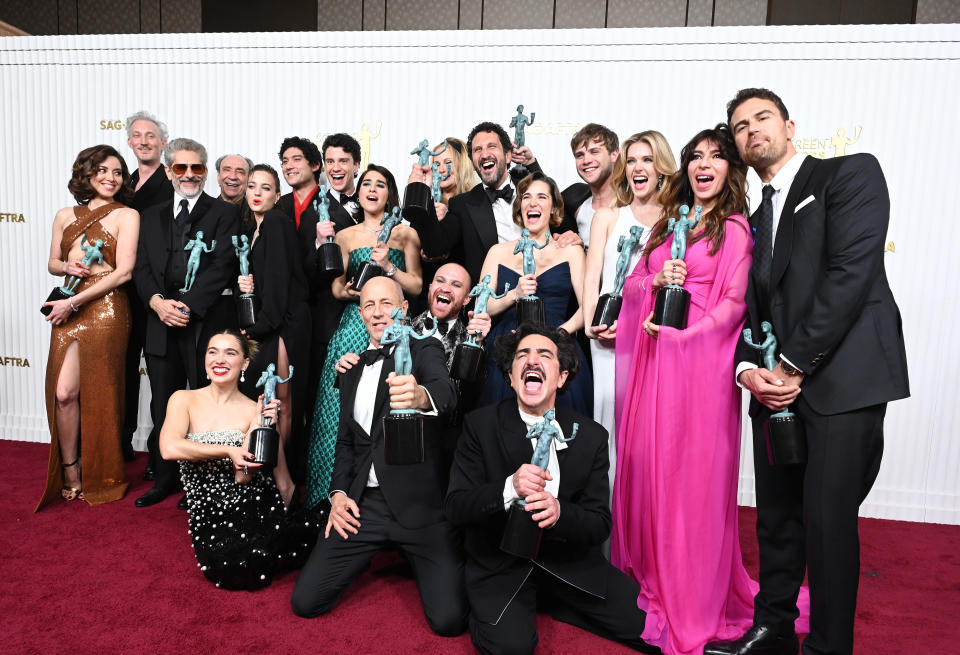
x=148 y=473
x=182 y=504
x=759 y=640
x=152 y=497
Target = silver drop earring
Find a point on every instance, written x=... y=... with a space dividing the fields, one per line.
x=242 y=378
x=660 y=182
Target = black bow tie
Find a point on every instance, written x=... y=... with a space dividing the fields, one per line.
x=506 y=193
x=344 y=199
x=373 y=355
x=442 y=327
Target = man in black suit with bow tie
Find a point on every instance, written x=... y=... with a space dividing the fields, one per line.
x=178 y=322
x=375 y=505
x=818 y=277
x=569 y=499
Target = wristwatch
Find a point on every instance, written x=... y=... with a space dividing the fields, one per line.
x=393 y=270
x=789 y=368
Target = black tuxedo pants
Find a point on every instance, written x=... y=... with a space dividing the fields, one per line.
x=433 y=551
x=131 y=366
x=807 y=520
x=615 y=617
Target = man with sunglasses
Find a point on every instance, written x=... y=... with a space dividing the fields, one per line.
x=177 y=321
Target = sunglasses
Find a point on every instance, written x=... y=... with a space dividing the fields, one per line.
x=196 y=169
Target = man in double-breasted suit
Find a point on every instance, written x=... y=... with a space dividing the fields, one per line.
x=569 y=499
x=376 y=505
x=178 y=321
x=818 y=277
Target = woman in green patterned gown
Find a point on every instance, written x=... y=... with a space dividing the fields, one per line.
x=400 y=259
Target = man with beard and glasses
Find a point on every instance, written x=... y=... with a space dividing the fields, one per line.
x=177 y=321
x=569 y=499
x=232 y=172
x=595 y=151
x=818 y=278
x=146 y=137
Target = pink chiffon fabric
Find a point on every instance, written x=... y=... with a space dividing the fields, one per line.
x=675 y=525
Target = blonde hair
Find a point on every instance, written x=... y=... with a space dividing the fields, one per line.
x=462 y=166
x=664 y=163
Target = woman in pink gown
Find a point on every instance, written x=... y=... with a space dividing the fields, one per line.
x=678 y=407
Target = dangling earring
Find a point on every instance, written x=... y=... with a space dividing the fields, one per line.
x=660 y=182
x=242 y=378
x=208 y=376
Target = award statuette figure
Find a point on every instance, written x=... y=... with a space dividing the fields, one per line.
x=519 y=124
x=417 y=196
x=265 y=441
x=246 y=309
x=786 y=440
x=608 y=306
x=438 y=177
x=529 y=308
x=197 y=247
x=69 y=289
x=370 y=269
x=467 y=356
x=402 y=428
x=331 y=259
x=521 y=535
x=673 y=300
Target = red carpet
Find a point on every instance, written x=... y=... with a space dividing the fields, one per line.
x=117 y=579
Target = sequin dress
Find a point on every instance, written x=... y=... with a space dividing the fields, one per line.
x=100 y=328
x=240 y=535
x=350 y=337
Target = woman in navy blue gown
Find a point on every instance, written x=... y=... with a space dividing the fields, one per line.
x=557 y=281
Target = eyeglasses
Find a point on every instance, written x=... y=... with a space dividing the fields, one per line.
x=196 y=169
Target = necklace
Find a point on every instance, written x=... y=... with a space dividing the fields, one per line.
x=371 y=231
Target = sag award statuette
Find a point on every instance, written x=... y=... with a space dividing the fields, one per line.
x=437 y=178
x=521 y=535
x=673 y=300
x=246 y=309
x=370 y=269
x=417 y=196
x=69 y=289
x=265 y=441
x=197 y=247
x=331 y=259
x=467 y=356
x=786 y=441
x=529 y=308
x=519 y=124
x=608 y=306
x=402 y=428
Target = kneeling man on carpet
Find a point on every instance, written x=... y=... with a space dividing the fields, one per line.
x=567 y=497
x=375 y=505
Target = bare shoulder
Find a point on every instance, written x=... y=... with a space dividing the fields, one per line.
x=64 y=216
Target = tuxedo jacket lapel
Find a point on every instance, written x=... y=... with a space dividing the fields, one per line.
x=160 y=252
x=481 y=213
x=513 y=435
x=783 y=243
x=381 y=404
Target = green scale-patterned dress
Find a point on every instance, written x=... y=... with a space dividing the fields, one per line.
x=350 y=337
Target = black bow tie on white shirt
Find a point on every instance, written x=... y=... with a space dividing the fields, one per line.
x=344 y=199
x=506 y=193
x=373 y=355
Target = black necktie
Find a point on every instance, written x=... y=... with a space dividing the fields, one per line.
x=184 y=214
x=373 y=355
x=762 y=222
x=506 y=193
x=344 y=199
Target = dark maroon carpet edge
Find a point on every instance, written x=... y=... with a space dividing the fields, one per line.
x=117 y=579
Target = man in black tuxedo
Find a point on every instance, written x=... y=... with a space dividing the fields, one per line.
x=146 y=137
x=375 y=505
x=570 y=501
x=595 y=151
x=178 y=323
x=482 y=217
x=818 y=277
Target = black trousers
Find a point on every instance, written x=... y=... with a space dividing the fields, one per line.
x=615 y=617
x=131 y=366
x=433 y=551
x=807 y=520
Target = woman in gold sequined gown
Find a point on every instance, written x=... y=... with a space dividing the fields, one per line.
x=84 y=379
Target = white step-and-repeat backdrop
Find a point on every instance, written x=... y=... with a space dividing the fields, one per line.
x=888 y=90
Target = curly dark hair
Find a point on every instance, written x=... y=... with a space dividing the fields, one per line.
x=393 y=195
x=556 y=198
x=488 y=126
x=345 y=141
x=505 y=348
x=678 y=191
x=309 y=150
x=85 y=167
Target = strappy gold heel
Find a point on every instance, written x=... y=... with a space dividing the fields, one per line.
x=71 y=493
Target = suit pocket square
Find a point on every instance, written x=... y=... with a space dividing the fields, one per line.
x=803 y=204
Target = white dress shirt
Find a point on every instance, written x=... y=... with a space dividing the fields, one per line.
x=191 y=203
x=351 y=206
x=552 y=486
x=507 y=230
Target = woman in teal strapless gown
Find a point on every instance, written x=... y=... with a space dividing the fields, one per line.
x=559 y=272
x=399 y=258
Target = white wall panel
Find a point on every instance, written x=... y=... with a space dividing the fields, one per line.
x=246 y=92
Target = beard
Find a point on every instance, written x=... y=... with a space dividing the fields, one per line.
x=765 y=156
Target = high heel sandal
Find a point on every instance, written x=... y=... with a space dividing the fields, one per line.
x=71 y=493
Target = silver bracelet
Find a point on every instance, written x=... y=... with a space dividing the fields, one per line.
x=72 y=306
